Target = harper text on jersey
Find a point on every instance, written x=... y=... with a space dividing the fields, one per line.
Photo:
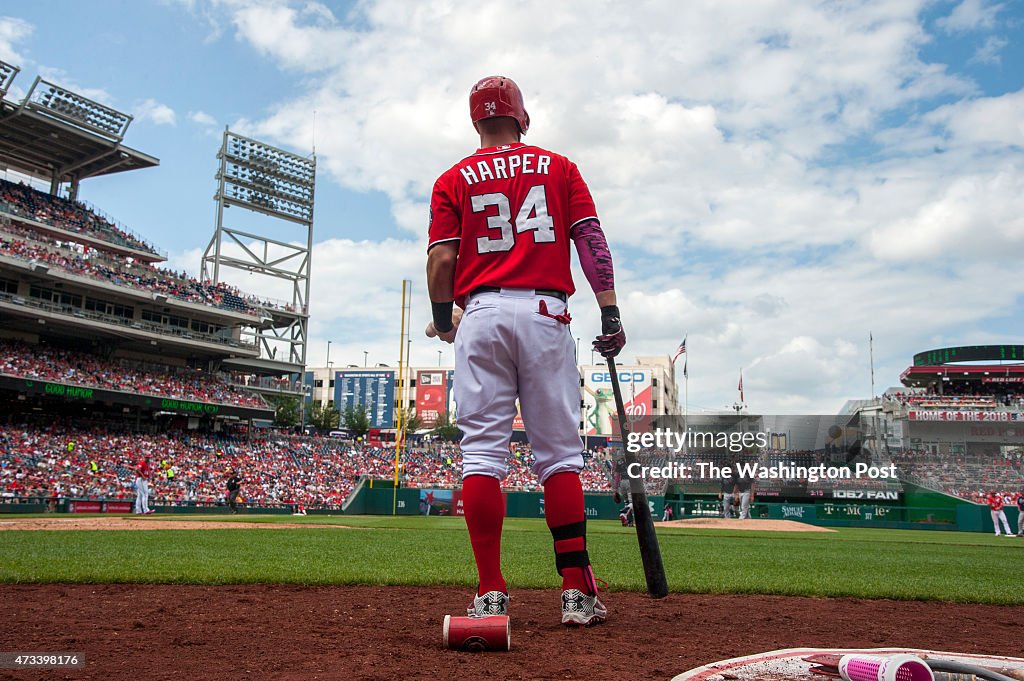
x=505 y=167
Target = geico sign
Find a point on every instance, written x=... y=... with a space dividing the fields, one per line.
x=624 y=377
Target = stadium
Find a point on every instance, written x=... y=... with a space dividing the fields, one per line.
x=346 y=546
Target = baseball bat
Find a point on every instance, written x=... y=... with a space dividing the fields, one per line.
x=650 y=553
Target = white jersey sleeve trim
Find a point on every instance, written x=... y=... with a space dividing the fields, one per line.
x=441 y=241
x=592 y=217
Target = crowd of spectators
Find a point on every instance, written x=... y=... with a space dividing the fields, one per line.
x=29 y=245
x=440 y=465
x=24 y=201
x=68 y=366
x=970 y=475
x=957 y=398
x=99 y=463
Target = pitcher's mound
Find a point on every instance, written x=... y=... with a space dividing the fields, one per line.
x=755 y=524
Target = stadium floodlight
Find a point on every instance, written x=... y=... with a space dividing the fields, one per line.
x=7 y=74
x=53 y=100
x=266 y=179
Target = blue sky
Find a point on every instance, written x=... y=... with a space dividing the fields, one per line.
x=777 y=179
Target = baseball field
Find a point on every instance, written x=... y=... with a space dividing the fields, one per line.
x=364 y=597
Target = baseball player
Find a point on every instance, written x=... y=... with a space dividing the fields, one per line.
x=995 y=505
x=1020 y=513
x=626 y=515
x=501 y=223
x=727 y=493
x=234 y=486
x=745 y=488
x=142 y=473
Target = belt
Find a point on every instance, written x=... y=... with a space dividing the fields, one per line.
x=540 y=292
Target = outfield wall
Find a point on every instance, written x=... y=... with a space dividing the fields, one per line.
x=929 y=511
x=380 y=498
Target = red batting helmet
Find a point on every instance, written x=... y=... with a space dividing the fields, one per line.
x=496 y=96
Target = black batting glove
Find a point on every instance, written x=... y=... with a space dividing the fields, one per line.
x=613 y=336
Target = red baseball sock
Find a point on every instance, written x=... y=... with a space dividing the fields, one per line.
x=564 y=512
x=484 y=507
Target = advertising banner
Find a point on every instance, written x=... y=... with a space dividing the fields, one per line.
x=441 y=502
x=436 y=501
x=599 y=417
x=432 y=396
x=956 y=416
x=66 y=392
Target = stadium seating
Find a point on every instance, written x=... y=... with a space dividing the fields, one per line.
x=24 y=243
x=67 y=366
x=24 y=201
x=969 y=476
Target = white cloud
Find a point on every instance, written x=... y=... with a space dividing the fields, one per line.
x=12 y=32
x=744 y=158
x=971 y=15
x=155 y=112
x=202 y=118
x=988 y=53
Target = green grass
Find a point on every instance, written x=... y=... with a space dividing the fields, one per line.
x=949 y=566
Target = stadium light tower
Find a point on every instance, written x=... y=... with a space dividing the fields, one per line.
x=277 y=188
x=72 y=107
x=7 y=74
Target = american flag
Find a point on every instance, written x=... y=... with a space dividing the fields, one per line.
x=740 y=387
x=680 y=351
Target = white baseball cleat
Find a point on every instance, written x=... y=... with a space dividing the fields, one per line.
x=491 y=603
x=582 y=610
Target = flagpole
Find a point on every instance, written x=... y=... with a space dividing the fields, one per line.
x=739 y=387
x=871 y=345
x=686 y=375
x=686 y=387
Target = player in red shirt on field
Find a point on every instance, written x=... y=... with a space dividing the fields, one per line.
x=142 y=474
x=995 y=505
x=501 y=224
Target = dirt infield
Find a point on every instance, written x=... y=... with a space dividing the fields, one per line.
x=121 y=523
x=366 y=632
x=755 y=524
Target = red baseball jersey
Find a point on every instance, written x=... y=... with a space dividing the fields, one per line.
x=995 y=502
x=511 y=209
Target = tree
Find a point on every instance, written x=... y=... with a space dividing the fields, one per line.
x=446 y=428
x=411 y=420
x=286 y=410
x=356 y=420
x=324 y=416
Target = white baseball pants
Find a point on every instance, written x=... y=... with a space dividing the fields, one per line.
x=141 y=496
x=745 y=505
x=506 y=348
x=1001 y=515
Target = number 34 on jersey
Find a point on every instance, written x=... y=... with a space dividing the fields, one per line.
x=531 y=216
